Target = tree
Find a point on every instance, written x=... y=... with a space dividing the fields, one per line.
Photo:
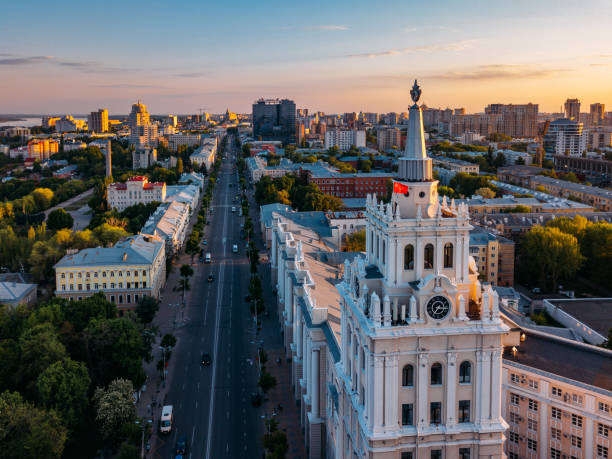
x=59 y=219
x=597 y=248
x=114 y=409
x=193 y=245
x=42 y=198
x=183 y=284
x=550 y=252
x=63 y=387
x=27 y=432
x=485 y=192
x=446 y=191
x=146 y=309
x=109 y=235
x=266 y=381
x=169 y=340
x=179 y=166
x=356 y=242
x=80 y=313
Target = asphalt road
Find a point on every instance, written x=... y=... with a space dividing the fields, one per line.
x=212 y=404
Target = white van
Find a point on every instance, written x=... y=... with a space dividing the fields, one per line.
x=208 y=258
x=233 y=209
x=165 y=423
x=235 y=248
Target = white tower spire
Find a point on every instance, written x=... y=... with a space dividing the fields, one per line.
x=414 y=165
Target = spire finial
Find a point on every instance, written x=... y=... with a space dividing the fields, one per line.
x=415 y=92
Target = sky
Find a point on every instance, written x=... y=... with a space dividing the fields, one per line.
x=336 y=56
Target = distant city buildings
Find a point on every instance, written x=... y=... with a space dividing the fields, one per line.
x=142 y=132
x=169 y=222
x=597 y=113
x=137 y=190
x=143 y=157
x=274 y=119
x=515 y=120
x=188 y=140
x=68 y=123
x=572 y=109
x=565 y=136
x=388 y=138
x=344 y=139
x=350 y=185
x=98 y=121
x=42 y=149
x=206 y=153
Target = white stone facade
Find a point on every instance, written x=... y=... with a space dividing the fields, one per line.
x=137 y=190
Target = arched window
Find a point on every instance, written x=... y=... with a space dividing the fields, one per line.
x=409 y=257
x=372 y=242
x=408 y=376
x=384 y=252
x=448 y=255
x=436 y=374
x=465 y=372
x=428 y=257
x=377 y=246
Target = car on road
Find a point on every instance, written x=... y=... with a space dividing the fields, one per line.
x=233 y=209
x=181 y=445
x=211 y=278
x=235 y=248
x=206 y=359
x=204 y=242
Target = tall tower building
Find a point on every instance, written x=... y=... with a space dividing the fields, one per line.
x=142 y=132
x=274 y=119
x=421 y=338
x=597 y=113
x=98 y=121
x=572 y=109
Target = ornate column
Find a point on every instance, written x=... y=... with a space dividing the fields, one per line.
x=299 y=340
x=486 y=387
x=478 y=402
x=379 y=362
x=451 y=389
x=496 y=385
x=307 y=364
x=391 y=392
x=418 y=257
x=343 y=332
x=315 y=383
x=370 y=390
x=422 y=391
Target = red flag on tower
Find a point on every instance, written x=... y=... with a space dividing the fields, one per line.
x=399 y=188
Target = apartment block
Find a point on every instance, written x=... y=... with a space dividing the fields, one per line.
x=344 y=139
x=137 y=190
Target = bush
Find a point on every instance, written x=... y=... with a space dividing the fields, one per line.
x=59 y=219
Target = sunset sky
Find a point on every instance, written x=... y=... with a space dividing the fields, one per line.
x=335 y=56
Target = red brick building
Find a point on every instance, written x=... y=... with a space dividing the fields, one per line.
x=350 y=185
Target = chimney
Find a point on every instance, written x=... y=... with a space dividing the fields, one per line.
x=124 y=256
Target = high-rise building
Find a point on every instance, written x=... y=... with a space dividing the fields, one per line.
x=565 y=136
x=142 y=132
x=98 y=121
x=344 y=139
x=515 y=120
x=274 y=119
x=389 y=138
x=572 y=109
x=597 y=113
x=400 y=357
x=480 y=123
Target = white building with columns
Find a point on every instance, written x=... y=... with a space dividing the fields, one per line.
x=397 y=353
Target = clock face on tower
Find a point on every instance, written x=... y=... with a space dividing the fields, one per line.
x=438 y=307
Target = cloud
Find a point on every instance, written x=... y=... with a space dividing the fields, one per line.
x=326 y=27
x=129 y=86
x=498 y=72
x=598 y=65
x=409 y=29
x=192 y=74
x=25 y=60
x=453 y=46
x=447 y=28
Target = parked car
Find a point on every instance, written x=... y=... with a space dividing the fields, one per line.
x=211 y=278
x=206 y=359
x=181 y=445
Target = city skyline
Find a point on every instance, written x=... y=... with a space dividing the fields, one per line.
x=329 y=57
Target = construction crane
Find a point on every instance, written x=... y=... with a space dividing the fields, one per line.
x=540 y=141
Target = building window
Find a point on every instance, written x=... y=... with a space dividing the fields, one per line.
x=603 y=407
x=514 y=399
x=555 y=453
x=556 y=413
x=129 y=299
x=448 y=255
x=533 y=384
x=435 y=412
x=436 y=454
x=533 y=405
x=514 y=378
x=436 y=374
x=71 y=276
x=120 y=299
x=576 y=420
x=555 y=434
x=144 y=273
x=532 y=444
x=372 y=242
x=603 y=430
x=407 y=414
x=112 y=298
x=377 y=246
x=513 y=437
x=384 y=257
x=532 y=424
x=63 y=275
x=576 y=441
x=464 y=411
x=95 y=286
x=428 y=257
x=602 y=452
x=406 y=455
x=465 y=372
x=409 y=257
x=464 y=453
x=512 y=455
x=557 y=392
x=408 y=376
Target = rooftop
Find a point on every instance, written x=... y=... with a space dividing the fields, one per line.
x=573 y=186
x=13 y=292
x=596 y=313
x=569 y=359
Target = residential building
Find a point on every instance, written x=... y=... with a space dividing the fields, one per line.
x=188 y=140
x=98 y=121
x=480 y=123
x=274 y=119
x=344 y=139
x=395 y=350
x=456 y=165
x=74 y=145
x=143 y=157
x=589 y=166
x=206 y=153
x=66 y=172
x=597 y=197
x=68 y=124
x=565 y=136
x=48 y=122
x=494 y=257
x=572 y=109
x=137 y=190
x=388 y=138
x=514 y=157
x=599 y=137
x=15 y=131
x=516 y=120
x=133 y=268
x=193 y=178
x=517 y=175
x=597 y=113
x=16 y=293
x=350 y=185
x=187 y=194
x=42 y=149
x=170 y=222
x=142 y=132
x=557 y=398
